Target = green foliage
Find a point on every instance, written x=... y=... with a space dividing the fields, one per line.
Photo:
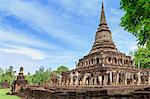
x=142 y=56
x=137 y=19
x=28 y=77
x=1 y=75
x=41 y=76
x=61 y=69
x=8 y=74
x=1 y=71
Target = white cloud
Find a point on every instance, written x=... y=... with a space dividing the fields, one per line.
x=40 y=18
x=31 y=58
x=57 y=25
x=32 y=53
x=12 y=35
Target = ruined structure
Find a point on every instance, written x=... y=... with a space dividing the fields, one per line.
x=63 y=92
x=19 y=82
x=105 y=65
x=105 y=73
x=5 y=84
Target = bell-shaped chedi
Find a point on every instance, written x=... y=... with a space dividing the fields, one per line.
x=104 y=52
x=103 y=38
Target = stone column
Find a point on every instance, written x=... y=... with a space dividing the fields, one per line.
x=95 y=81
x=83 y=80
x=110 y=77
x=139 y=78
x=90 y=81
x=113 y=78
x=117 y=78
x=149 y=78
x=132 y=77
x=71 y=78
x=100 y=79
x=126 y=77
x=77 y=79
x=122 y=61
x=60 y=80
x=68 y=83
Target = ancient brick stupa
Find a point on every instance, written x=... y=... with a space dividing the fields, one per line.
x=105 y=73
x=19 y=82
x=105 y=65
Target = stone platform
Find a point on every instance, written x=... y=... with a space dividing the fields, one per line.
x=86 y=92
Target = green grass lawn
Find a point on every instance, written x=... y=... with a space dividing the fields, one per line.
x=4 y=96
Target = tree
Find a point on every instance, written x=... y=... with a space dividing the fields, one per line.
x=1 y=75
x=28 y=77
x=1 y=71
x=142 y=57
x=61 y=69
x=136 y=19
x=41 y=76
x=8 y=74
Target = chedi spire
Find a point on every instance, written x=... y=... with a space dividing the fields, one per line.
x=103 y=18
x=103 y=38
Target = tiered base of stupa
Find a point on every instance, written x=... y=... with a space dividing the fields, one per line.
x=108 y=75
x=105 y=68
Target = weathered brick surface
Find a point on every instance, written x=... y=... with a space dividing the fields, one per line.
x=86 y=93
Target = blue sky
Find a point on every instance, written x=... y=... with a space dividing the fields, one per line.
x=51 y=33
